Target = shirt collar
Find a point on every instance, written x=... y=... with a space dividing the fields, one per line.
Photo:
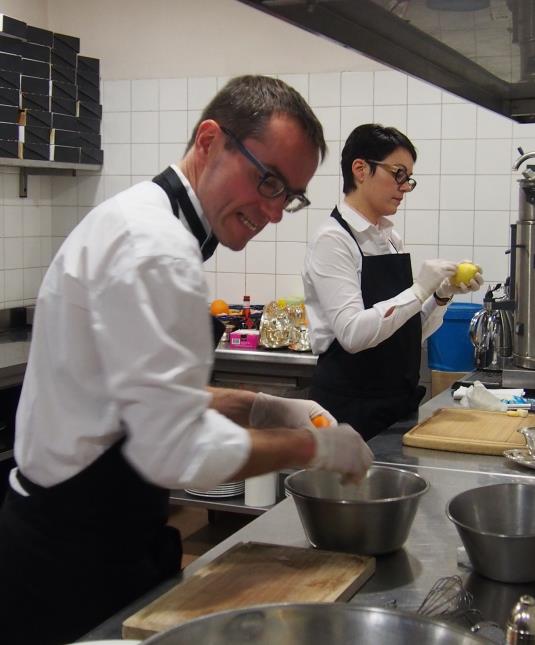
x=193 y=198
x=358 y=222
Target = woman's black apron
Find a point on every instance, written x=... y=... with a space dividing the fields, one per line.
x=373 y=388
x=74 y=554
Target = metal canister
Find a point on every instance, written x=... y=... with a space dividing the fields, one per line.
x=521 y=623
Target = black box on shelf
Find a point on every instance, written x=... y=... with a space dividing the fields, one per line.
x=10 y=45
x=9 y=79
x=9 y=114
x=85 y=63
x=38 y=118
x=63 y=41
x=35 y=68
x=9 y=96
x=65 y=138
x=64 y=91
x=39 y=36
x=33 y=134
x=35 y=52
x=35 y=101
x=12 y=149
x=36 y=151
x=90 y=139
x=89 y=108
x=34 y=85
x=87 y=77
x=64 y=153
x=63 y=74
x=11 y=62
x=91 y=155
x=87 y=124
x=65 y=122
x=12 y=27
x=88 y=92
x=11 y=132
x=63 y=58
x=64 y=106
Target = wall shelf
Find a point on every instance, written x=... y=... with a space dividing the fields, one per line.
x=37 y=167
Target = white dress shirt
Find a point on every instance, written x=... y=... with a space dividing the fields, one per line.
x=122 y=344
x=332 y=285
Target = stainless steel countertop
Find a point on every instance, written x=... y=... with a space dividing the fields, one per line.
x=264 y=355
x=431 y=551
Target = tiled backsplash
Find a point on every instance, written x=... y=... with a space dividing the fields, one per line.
x=465 y=199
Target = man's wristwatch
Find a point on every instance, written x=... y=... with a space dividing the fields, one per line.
x=442 y=301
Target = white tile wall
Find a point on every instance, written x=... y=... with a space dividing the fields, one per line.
x=465 y=199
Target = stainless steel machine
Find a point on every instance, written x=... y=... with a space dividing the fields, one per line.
x=503 y=332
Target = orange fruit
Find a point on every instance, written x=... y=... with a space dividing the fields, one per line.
x=219 y=307
x=320 y=421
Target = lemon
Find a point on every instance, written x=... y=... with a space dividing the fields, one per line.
x=465 y=272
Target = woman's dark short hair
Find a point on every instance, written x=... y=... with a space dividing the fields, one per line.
x=371 y=141
x=246 y=103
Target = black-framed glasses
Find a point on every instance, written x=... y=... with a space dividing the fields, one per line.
x=270 y=185
x=400 y=174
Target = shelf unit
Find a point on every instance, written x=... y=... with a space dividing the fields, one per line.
x=38 y=167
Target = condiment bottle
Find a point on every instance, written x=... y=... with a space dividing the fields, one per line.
x=248 y=322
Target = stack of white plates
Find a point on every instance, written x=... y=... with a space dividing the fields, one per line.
x=230 y=489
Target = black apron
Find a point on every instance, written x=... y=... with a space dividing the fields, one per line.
x=74 y=554
x=373 y=388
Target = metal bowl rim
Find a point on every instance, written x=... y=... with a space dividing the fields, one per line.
x=475 y=531
x=348 y=502
x=333 y=606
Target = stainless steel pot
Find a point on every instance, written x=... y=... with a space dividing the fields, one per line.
x=497 y=526
x=369 y=518
x=315 y=624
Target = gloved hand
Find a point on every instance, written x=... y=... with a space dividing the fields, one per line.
x=446 y=289
x=270 y=411
x=431 y=275
x=343 y=450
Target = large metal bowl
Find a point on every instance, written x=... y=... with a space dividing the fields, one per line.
x=370 y=518
x=497 y=526
x=314 y=624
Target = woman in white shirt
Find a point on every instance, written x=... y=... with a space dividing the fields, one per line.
x=367 y=316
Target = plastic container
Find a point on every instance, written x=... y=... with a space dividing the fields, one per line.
x=449 y=349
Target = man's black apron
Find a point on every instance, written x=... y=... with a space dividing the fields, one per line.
x=74 y=554
x=373 y=388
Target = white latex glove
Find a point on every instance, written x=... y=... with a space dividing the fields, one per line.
x=342 y=450
x=270 y=411
x=431 y=275
x=446 y=289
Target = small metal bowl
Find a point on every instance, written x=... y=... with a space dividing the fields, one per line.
x=369 y=518
x=497 y=527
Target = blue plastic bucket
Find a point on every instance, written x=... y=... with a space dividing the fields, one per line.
x=449 y=349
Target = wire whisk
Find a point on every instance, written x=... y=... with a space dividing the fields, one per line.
x=448 y=598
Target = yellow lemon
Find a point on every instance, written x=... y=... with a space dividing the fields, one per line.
x=465 y=272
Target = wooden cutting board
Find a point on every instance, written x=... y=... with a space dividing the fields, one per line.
x=474 y=431
x=251 y=574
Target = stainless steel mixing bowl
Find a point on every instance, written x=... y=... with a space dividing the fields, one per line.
x=497 y=526
x=370 y=518
x=315 y=624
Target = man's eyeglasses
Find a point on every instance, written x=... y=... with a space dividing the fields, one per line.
x=270 y=185
x=400 y=174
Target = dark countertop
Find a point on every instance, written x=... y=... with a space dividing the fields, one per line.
x=431 y=551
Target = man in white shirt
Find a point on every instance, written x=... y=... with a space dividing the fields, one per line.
x=367 y=317
x=115 y=408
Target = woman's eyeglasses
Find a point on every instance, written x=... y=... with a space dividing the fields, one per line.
x=400 y=174
x=270 y=185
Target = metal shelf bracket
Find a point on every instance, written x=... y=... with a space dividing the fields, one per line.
x=24 y=172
